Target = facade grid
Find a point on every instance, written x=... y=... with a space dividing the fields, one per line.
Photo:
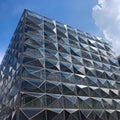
x=52 y=71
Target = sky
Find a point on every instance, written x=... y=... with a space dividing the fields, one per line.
x=107 y=17
x=97 y=17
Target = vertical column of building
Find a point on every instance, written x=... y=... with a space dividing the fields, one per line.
x=33 y=68
x=10 y=73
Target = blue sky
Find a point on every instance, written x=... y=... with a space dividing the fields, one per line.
x=76 y=13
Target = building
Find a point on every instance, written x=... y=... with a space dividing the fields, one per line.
x=118 y=59
x=52 y=71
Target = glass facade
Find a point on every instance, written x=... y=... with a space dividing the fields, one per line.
x=52 y=71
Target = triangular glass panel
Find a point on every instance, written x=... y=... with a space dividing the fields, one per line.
x=116 y=76
x=32 y=52
x=48 y=21
x=63 y=40
x=107 y=103
x=52 y=54
x=51 y=37
x=36 y=63
x=31 y=33
x=53 y=87
x=34 y=28
x=64 y=57
x=116 y=103
x=113 y=61
x=76 y=52
x=92 y=43
x=87 y=62
x=79 y=69
x=94 y=49
x=52 y=64
x=41 y=115
x=92 y=81
x=67 y=77
x=74 y=43
x=101 y=82
x=86 y=54
x=39 y=74
x=36 y=103
x=104 y=116
x=68 y=116
x=80 y=91
x=52 y=114
x=31 y=112
x=74 y=114
x=98 y=91
x=98 y=65
x=80 y=79
x=100 y=74
x=30 y=69
x=53 y=75
x=85 y=113
x=35 y=82
x=77 y=60
x=96 y=57
x=105 y=92
x=107 y=67
x=33 y=94
x=83 y=39
x=49 y=28
x=115 y=69
x=114 y=94
x=112 y=84
x=66 y=67
x=33 y=42
x=85 y=47
x=104 y=59
x=63 y=48
x=51 y=45
x=27 y=59
x=26 y=98
x=61 y=32
x=70 y=102
x=106 y=84
x=34 y=18
x=23 y=116
x=68 y=89
x=98 y=114
x=54 y=101
x=98 y=104
x=60 y=25
x=90 y=71
x=100 y=46
x=29 y=87
x=109 y=75
x=30 y=40
x=89 y=35
x=29 y=75
x=60 y=116
x=72 y=36
x=103 y=52
x=91 y=116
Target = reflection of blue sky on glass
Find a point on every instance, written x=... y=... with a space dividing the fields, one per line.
x=77 y=13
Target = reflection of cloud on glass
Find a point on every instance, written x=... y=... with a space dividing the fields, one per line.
x=107 y=18
x=1 y=56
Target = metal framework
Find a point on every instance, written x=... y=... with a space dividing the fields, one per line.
x=52 y=71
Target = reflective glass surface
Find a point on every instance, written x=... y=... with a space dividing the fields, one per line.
x=52 y=71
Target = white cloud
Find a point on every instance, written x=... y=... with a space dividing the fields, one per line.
x=107 y=17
